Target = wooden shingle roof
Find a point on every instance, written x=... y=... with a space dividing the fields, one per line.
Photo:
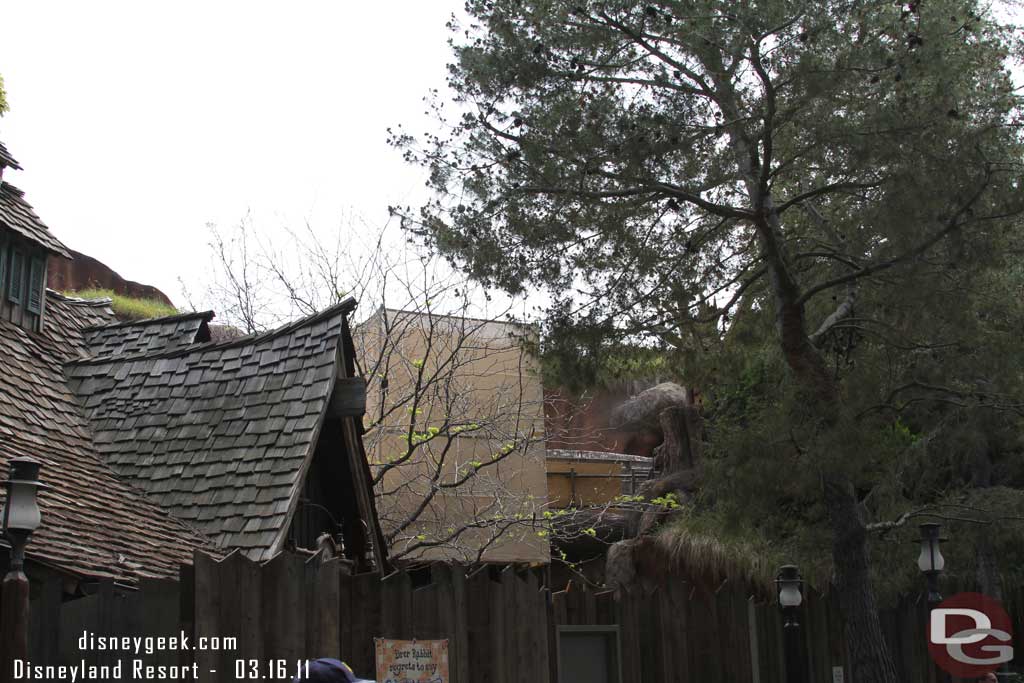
x=16 y=214
x=219 y=434
x=95 y=524
x=6 y=159
x=156 y=335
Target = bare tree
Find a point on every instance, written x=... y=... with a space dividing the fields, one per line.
x=454 y=428
x=454 y=423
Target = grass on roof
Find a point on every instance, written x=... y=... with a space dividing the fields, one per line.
x=126 y=307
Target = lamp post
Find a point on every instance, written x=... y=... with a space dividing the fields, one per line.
x=20 y=518
x=789 y=584
x=930 y=561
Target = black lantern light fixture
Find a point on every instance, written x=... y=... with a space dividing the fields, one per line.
x=790 y=591
x=790 y=588
x=21 y=510
x=20 y=518
x=930 y=561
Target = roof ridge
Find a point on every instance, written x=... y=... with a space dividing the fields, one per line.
x=343 y=307
x=101 y=301
x=205 y=315
x=6 y=159
x=11 y=188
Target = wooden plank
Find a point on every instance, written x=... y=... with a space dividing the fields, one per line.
x=589 y=607
x=683 y=629
x=444 y=606
x=501 y=625
x=837 y=637
x=105 y=618
x=538 y=627
x=425 y=621
x=44 y=617
x=526 y=593
x=551 y=630
x=573 y=607
x=206 y=608
x=241 y=612
x=186 y=610
x=158 y=604
x=460 y=627
x=347 y=618
x=632 y=651
x=365 y=611
x=667 y=631
x=396 y=606
x=284 y=607
x=508 y=643
x=774 y=621
x=753 y=642
x=349 y=397
x=820 y=639
x=725 y=642
x=524 y=644
x=323 y=636
x=742 y=633
x=649 y=615
x=479 y=626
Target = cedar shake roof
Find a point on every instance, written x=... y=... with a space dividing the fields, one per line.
x=18 y=216
x=6 y=159
x=219 y=434
x=95 y=524
x=171 y=333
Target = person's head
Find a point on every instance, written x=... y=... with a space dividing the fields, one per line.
x=329 y=671
x=990 y=677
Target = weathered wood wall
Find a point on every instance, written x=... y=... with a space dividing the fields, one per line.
x=293 y=608
x=500 y=622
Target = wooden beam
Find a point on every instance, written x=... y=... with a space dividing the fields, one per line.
x=349 y=397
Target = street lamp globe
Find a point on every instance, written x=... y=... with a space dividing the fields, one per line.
x=930 y=561
x=788 y=584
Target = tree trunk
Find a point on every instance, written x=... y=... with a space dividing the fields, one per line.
x=869 y=657
x=987 y=572
x=680 y=447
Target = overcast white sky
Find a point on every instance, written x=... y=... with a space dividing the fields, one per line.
x=138 y=123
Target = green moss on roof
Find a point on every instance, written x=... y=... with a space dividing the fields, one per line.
x=126 y=307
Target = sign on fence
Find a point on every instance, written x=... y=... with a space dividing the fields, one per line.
x=412 y=661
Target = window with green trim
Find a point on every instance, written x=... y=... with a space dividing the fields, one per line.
x=3 y=265
x=16 y=288
x=36 y=283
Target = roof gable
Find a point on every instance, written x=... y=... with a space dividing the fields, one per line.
x=17 y=215
x=218 y=434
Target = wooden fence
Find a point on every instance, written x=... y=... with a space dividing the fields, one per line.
x=501 y=623
x=291 y=608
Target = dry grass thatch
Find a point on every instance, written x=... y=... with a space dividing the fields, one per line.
x=706 y=557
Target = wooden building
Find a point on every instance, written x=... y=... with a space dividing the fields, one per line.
x=157 y=441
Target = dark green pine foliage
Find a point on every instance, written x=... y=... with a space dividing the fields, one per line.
x=808 y=210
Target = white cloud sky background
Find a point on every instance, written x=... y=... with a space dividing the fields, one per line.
x=139 y=123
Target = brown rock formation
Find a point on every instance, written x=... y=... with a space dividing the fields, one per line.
x=85 y=272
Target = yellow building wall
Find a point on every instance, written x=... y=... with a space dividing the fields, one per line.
x=589 y=490
x=490 y=389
